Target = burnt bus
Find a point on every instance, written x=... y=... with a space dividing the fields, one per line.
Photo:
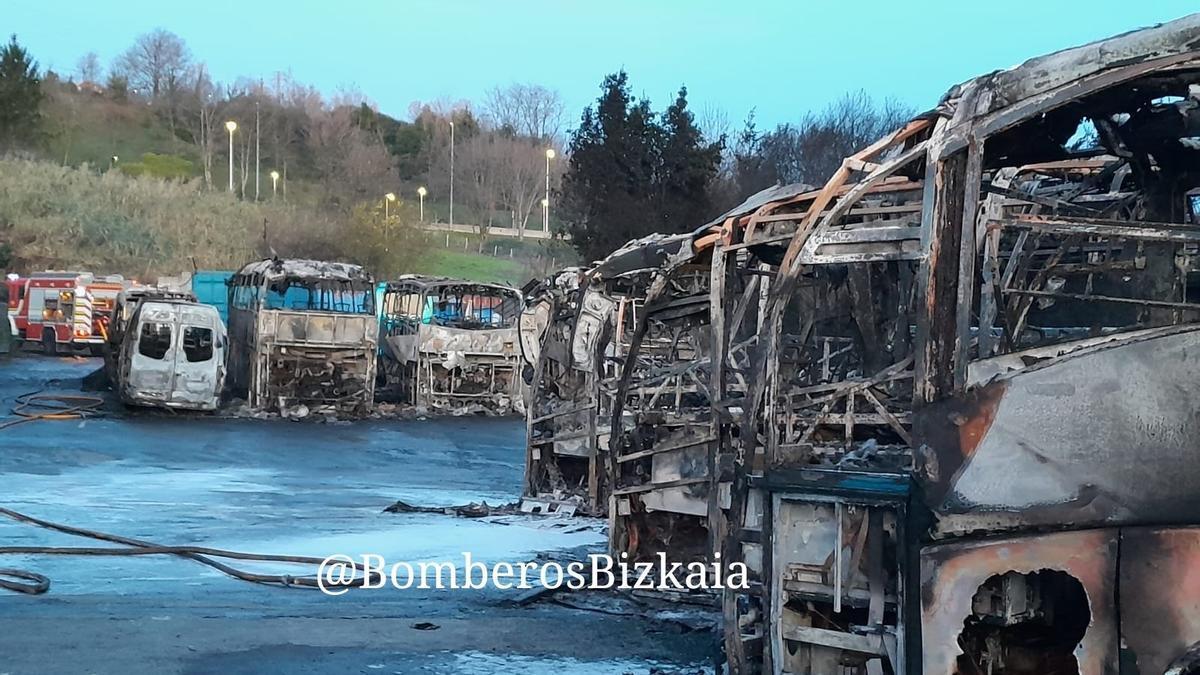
x=448 y=343
x=956 y=385
x=303 y=337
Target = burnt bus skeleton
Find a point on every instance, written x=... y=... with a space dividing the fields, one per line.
x=303 y=337
x=1033 y=302
x=451 y=344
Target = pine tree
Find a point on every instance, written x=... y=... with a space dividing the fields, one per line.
x=633 y=172
x=20 y=97
x=689 y=165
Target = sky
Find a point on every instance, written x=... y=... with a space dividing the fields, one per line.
x=777 y=57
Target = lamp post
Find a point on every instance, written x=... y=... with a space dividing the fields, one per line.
x=274 y=184
x=387 y=199
x=546 y=201
x=452 y=172
x=421 y=193
x=231 y=127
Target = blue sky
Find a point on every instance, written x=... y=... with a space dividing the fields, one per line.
x=782 y=58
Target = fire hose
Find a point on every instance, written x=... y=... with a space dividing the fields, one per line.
x=39 y=406
x=202 y=554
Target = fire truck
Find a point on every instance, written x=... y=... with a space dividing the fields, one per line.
x=66 y=311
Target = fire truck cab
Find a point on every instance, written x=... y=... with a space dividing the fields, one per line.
x=66 y=310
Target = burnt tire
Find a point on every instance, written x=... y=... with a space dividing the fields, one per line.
x=49 y=343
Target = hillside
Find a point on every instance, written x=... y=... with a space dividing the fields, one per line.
x=55 y=217
x=116 y=185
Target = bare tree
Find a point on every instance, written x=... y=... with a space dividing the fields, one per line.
x=528 y=110
x=481 y=170
x=156 y=63
x=810 y=150
x=522 y=178
x=207 y=105
x=87 y=68
x=355 y=165
x=157 y=66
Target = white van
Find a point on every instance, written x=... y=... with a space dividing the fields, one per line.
x=173 y=356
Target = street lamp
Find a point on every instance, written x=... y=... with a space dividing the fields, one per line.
x=231 y=127
x=421 y=193
x=546 y=201
x=452 y=172
x=274 y=184
x=387 y=199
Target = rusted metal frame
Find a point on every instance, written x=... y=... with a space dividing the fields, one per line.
x=873 y=180
x=642 y=454
x=937 y=284
x=789 y=268
x=826 y=412
x=888 y=417
x=653 y=297
x=896 y=371
x=563 y=413
x=1025 y=303
x=1107 y=298
x=1057 y=205
x=967 y=257
x=848 y=419
x=649 y=487
x=725 y=527
x=990 y=272
x=992 y=123
x=699 y=385
x=1136 y=230
x=531 y=464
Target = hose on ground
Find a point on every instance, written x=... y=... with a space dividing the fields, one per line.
x=201 y=554
x=41 y=406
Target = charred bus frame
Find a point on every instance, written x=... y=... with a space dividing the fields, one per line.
x=449 y=343
x=303 y=333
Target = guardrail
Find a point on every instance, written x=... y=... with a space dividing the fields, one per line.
x=511 y=232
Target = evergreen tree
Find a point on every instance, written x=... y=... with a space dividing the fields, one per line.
x=20 y=97
x=689 y=165
x=633 y=172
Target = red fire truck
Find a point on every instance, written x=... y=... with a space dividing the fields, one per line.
x=66 y=310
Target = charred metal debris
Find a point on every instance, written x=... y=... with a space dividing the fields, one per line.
x=451 y=345
x=303 y=337
x=942 y=406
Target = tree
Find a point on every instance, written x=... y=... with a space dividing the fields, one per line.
x=689 y=164
x=20 y=97
x=632 y=173
x=87 y=69
x=117 y=88
x=810 y=150
x=157 y=66
x=156 y=63
x=528 y=110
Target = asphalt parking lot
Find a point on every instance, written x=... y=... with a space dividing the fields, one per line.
x=298 y=488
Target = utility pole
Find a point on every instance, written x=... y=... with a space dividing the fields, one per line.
x=546 y=201
x=231 y=127
x=256 y=148
x=451 y=170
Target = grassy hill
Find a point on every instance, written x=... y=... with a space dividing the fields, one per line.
x=56 y=217
x=75 y=207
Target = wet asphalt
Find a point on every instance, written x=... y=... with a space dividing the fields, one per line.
x=297 y=488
